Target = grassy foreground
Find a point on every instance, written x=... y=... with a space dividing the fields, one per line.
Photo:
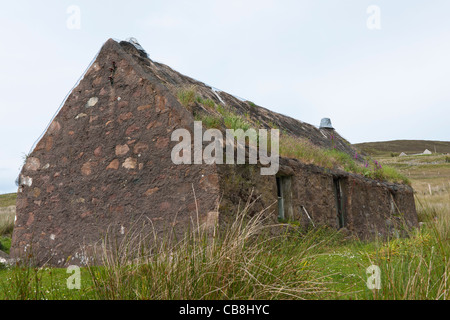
x=245 y=262
x=7 y=215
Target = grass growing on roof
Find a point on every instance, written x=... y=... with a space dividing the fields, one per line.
x=235 y=122
x=186 y=96
x=229 y=119
x=289 y=146
x=209 y=121
x=307 y=152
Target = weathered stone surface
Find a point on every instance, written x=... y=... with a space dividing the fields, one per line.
x=86 y=169
x=32 y=164
x=131 y=129
x=164 y=206
x=140 y=147
x=80 y=115
x=54 y=127
x=149 y=192
x=36 y=192
x=154 y=124
x=144 y=107
x=125 y=116
x=86 y=214
x=114 y=165
x=122 y=150
x=30 y=218
x=123 y=104
x=98 y=151
x=130 y=163
x=162 y=143
x=91 y=102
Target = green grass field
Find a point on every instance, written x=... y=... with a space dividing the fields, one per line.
x=7 y=200
x=7 y=215
x=246 y=263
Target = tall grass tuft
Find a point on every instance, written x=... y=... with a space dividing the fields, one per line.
x=187 y=95
x=24 y=284
x=7 y=222
x=417 y=268
x=240 y=261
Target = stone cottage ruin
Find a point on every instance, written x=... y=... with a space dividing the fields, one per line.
x=105 y=162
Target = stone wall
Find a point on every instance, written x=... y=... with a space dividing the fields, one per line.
x=105 y=164
x=374 y=208
x=369 y=208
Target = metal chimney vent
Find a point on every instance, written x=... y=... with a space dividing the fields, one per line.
x=325 y=123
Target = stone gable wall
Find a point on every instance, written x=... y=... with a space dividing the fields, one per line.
x=105 y=164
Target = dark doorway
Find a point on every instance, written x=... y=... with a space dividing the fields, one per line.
x=284 y=193
x=339 y=203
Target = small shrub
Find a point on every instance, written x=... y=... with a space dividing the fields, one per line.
x=186 y=96
x=235 y=122
x=208 y=103
x=221 y=110
x=272 y=125
x=210 y=122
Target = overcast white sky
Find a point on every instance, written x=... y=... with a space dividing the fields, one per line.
x=307 y=59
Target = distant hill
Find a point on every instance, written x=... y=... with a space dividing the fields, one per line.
x=406 y=146
x=7 y=200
